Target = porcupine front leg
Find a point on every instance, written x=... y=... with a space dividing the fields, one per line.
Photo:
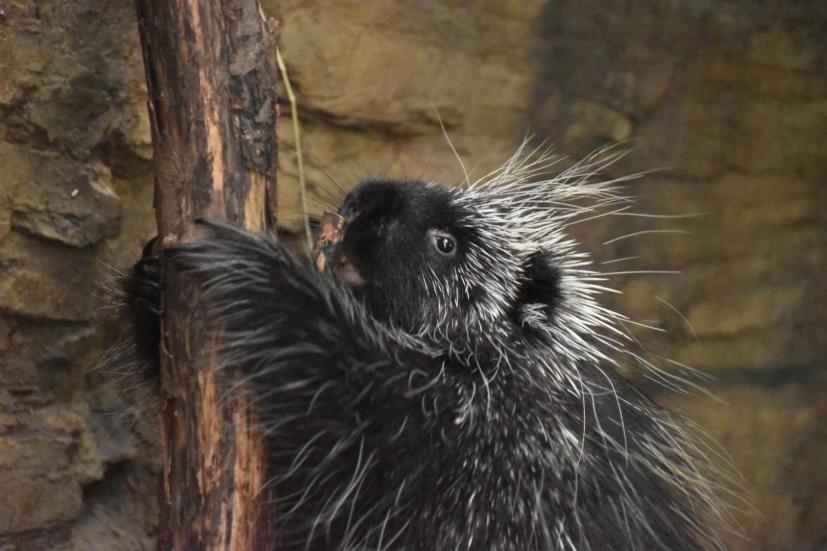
x=331 y=385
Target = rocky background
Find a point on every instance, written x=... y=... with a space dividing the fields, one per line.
x=725 y=101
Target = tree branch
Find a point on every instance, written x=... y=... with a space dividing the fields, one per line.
x=212 y=104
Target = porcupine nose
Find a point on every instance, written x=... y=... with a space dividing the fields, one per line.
x=327 y=246
x=327 y=252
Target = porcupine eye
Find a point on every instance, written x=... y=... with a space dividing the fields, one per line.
x=444 y=243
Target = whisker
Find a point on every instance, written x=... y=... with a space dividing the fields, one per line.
x=624 y=259
x=678 y=312
x=643 y=232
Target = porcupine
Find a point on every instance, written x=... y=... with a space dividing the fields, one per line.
x=450 y=383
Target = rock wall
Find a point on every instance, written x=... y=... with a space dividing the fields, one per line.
x=75 y=200
x=725 y=101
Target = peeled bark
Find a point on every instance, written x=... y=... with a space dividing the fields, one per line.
x=212 y=103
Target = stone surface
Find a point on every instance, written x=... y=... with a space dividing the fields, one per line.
x=744 y=312
x=56 y=198
x=775 y=436
x=727 y=102
x=74 y=176
x=46 y=459
x=47 y=281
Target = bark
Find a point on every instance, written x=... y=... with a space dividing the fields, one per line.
x=212 y=104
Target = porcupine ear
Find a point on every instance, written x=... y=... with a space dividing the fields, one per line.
x=539 y=295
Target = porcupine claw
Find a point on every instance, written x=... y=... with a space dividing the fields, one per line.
x=327 y=251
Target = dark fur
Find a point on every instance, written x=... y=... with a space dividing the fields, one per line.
x=383 y=442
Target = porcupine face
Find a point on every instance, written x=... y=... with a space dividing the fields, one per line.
x=439 y=262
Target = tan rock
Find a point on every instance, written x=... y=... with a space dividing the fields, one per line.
x=765 y=80
x=753 y=351
x=780 y=49
x=43 y=466
x=5 y=222
x=757 y=309
x=47 y=281
x=593 y=122
x=59 y=199
x=775 y=436
x=37 y=503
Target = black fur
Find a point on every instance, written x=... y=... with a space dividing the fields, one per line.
x=541 y=286
x=382 y=440
x=142 y=307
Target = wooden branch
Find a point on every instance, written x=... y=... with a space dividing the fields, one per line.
x=212 y=104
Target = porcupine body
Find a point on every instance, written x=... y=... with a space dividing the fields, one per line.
x=450 y=386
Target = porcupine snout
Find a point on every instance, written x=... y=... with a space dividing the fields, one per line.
x=328 y=254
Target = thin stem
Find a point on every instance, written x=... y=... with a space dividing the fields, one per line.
x=294 y=115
